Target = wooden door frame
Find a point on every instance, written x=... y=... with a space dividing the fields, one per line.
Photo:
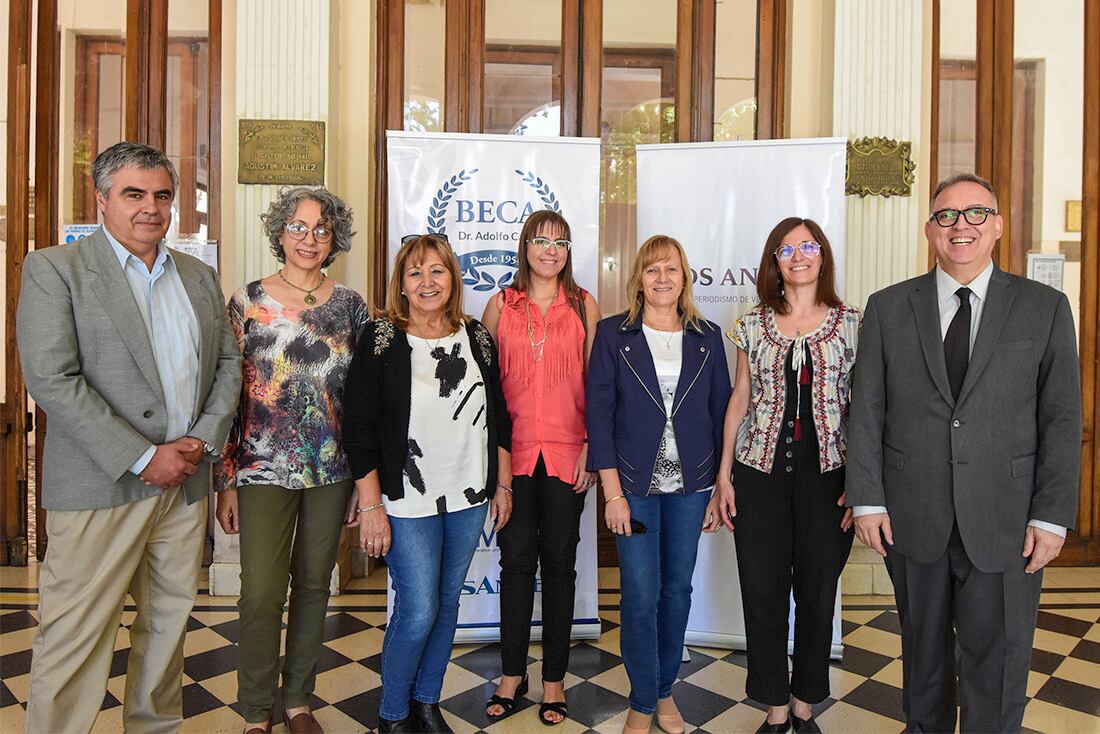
x=994 y=136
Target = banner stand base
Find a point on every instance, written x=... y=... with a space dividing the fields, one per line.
x=725 y=641
x=490 y=632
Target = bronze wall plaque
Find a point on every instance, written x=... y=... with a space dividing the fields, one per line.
x=281 y=152
x=879 y=167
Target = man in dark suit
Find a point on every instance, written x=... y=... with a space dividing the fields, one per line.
x=126 y=346
x=963 y=461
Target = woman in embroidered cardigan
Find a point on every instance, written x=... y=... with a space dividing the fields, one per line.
x=544 y=324
x=427 y=436
x=786 y=425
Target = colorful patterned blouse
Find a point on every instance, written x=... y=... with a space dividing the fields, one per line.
x=833 y=351
x=288 y=425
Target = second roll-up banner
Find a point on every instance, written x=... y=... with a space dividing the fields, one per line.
x=720 y=200
x=478 y=190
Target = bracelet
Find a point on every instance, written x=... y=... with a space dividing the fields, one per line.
x=505 y=487
x=361 y=510
x=616 y=497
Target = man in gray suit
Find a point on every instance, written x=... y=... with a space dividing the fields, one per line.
x=126 y=346
x=963 y=462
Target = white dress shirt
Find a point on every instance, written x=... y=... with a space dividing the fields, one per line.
x=173 y=330
x=949 y=306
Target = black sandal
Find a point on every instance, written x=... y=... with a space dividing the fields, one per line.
x=508 y=704
x=557 y=707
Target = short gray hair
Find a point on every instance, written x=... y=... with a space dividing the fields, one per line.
x=962 y=178
x=333 y=210
x=124 y=154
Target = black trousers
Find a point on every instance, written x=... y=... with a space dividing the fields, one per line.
x=788 y=536
x=958 y=620
x=543 y=532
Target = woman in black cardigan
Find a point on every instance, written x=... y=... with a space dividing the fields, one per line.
x=427 y=435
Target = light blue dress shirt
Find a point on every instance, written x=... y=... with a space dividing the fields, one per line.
x=949 y=305
x=173 y=330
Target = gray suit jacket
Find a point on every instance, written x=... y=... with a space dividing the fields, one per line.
x=88 y=363
x=1007 y=452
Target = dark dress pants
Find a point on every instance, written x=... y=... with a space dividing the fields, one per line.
x=959 y=621
x=543 y=531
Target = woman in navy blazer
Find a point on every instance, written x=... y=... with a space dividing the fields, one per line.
x=656 y=397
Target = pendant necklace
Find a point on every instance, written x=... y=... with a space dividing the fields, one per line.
x=309 y=299
x=537 y=348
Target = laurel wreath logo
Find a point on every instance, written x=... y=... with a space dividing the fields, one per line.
x=541 y=188
x=482 y=281
x=437 y=213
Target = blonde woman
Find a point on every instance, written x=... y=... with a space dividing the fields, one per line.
x=656 y=397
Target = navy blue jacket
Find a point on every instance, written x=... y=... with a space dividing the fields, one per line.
x=625 y=415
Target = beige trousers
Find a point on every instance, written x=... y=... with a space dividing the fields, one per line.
x=152 y=549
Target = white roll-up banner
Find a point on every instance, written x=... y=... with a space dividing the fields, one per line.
x=479 y=190
x=720 y=200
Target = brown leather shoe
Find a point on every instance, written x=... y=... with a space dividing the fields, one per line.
x=303 y=723
x=263 y=728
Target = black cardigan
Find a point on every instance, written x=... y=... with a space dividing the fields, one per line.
x=377 y=394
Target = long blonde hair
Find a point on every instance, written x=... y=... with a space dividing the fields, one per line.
x=657 y=248
x=413 y=251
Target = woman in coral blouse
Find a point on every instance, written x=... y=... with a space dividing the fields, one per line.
x=543 y=324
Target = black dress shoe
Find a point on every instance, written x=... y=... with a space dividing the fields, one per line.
x=397 y=726
x=805 y=726
x=426 y=718
x=767 y=728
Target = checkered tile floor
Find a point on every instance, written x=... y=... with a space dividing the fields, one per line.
x=1064 y=684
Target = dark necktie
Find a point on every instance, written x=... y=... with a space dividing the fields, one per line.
x=956 y=344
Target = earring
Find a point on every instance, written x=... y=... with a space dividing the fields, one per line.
x=780 y=279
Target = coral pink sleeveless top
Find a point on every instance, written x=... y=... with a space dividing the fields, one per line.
x=543 y=384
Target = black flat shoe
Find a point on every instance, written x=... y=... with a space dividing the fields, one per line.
x=557 y=707
x=508 y=704
x=397 y=726
x=426 y=718
x=805 y=726
x=767 y=728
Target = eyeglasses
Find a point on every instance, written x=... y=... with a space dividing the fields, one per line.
x=975 y=215
x=438 y=235
x=546 y=243
x=297 y=231
x=808 y=248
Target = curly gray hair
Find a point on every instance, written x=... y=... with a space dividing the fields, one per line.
x=333 y=210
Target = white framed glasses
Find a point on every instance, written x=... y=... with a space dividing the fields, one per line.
x=546 y=243
x=809 y=248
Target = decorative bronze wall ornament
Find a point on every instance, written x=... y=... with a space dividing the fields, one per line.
x=879 y=167
x=281 y=152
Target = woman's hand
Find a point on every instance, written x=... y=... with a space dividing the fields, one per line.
x=500 y=507
x=227 y=513
x=722 y=507
x=846 y=521
x=582 y=479
x=374 y=532
x=616 y=513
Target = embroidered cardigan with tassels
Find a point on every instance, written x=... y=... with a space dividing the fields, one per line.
x=833 y=351
x=543 y=382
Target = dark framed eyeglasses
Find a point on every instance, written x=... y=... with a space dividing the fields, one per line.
x=808 y=248
x=322 y=235
x=974 y=216
x=438 y=235
x=545 y=243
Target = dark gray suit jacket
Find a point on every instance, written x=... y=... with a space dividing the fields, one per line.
x=88 y=363
x=1007 y=452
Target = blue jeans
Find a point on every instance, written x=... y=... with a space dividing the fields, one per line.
x=428 y=561
x=655 y=570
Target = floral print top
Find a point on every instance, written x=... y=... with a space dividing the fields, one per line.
x=288 y=426
x=832 y=347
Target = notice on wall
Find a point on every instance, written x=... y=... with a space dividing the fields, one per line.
x=205 y=250
x=281 y=152
x=1046 y=268
x=73 y=232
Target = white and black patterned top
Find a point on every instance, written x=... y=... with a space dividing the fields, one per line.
x=667 y=348
x=448 y=459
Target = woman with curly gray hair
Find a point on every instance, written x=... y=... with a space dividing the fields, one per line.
x=284 y=481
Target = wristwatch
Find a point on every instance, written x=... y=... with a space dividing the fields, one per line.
x=209 y=450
